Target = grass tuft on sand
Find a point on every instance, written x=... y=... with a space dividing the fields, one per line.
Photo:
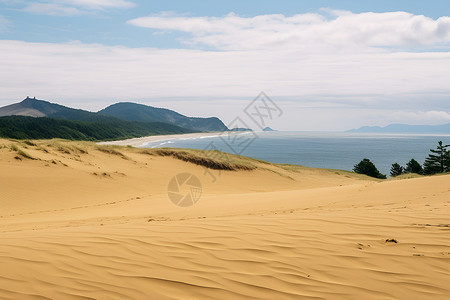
x=111 y=150
x=20 y=152
x=25 y=154
x=211 y=159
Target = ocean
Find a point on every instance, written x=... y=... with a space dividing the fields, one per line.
x=317 y=149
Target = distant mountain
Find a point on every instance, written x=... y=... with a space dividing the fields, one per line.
x=118 y=121
x=268 y=129
x=403 y=128
x=143 y=113
x=38 y=119
x=31 y=107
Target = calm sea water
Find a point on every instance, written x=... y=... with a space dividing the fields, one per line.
x=321 y=150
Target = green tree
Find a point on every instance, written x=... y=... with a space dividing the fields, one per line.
x=367 y=167
x=396 y=170
x=438 y=161
x=413 y=167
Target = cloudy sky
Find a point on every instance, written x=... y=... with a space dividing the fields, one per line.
x=329 y=65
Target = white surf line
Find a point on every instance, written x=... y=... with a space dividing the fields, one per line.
x=139 y=142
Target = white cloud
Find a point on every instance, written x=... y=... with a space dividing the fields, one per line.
x=345 y=87
x=178 y=72
x=339 y=29
x=52 y=9
x=422 y=117
x=99 y=4
x=328 y=70
x=74 y=7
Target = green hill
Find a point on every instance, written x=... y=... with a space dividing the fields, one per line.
x=144 y=113
x=22 y=127
x=38 y=119
x=132 y=112
x=39 y=108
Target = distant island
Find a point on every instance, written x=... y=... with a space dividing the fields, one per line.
x=240 y=129
x=39 y=119
x=248 y=129
x=404 y=128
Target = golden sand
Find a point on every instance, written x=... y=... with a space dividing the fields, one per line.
x=78 y=221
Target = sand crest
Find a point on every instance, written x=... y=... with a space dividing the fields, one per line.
x=83 y=221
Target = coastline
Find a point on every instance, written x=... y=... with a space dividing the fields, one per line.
x=138 y=142
x=74 y=212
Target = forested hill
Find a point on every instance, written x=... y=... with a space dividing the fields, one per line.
x=144 y=113
x=22 y=127
x=39 y=108
x=128 y=111
x=39 y=119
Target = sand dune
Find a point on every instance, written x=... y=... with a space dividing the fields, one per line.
x=81 y=221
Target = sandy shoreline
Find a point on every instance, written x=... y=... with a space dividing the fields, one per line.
x=137 y=142
x=82 y=221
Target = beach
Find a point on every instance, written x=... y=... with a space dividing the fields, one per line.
x=137 y=142
x=85 y=221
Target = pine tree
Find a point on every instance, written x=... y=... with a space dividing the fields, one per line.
x=396 y=170
x=438 y=161
x=367 y=167
x=413 y=167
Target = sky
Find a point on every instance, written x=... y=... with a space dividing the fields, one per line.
x=329 y=65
